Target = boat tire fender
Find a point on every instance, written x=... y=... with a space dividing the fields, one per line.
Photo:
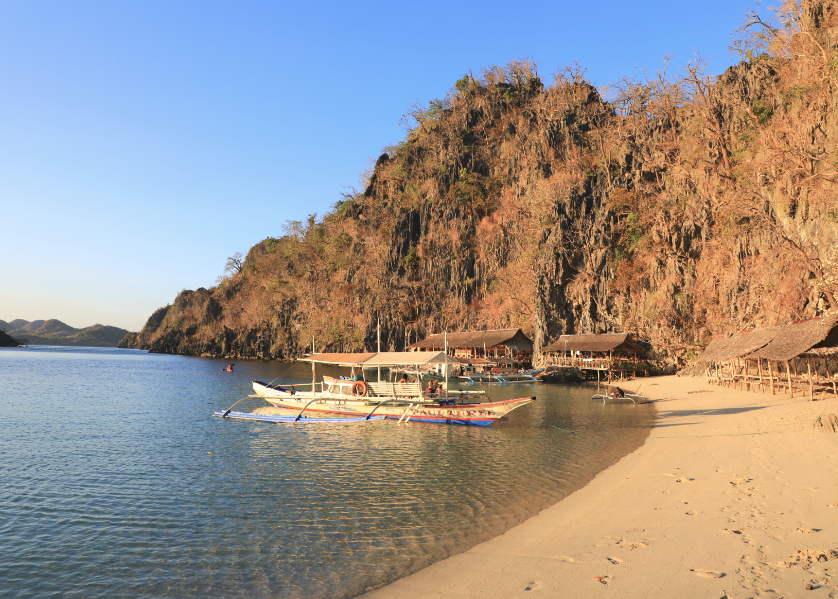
x=359 y=389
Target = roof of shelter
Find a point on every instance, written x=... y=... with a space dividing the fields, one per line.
x=512 y=338
x=816 y=335
x=387 y=358
x=738 y=344
x=603 y=342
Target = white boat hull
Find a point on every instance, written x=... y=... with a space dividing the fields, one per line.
x=453 y=411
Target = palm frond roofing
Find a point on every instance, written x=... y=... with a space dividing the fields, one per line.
x=511 y=338
x=738 y=344
x=782 y=342
x=601 y=343
x=797 y=338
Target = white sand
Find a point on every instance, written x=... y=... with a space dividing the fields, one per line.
x=703 y=509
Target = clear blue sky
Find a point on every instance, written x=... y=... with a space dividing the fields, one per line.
x=142 y=143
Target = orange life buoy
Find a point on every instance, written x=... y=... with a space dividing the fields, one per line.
x=359 y=389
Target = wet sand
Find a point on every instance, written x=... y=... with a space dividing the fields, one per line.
x=734 y=494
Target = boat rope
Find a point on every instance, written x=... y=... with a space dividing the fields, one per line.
x=774 y=432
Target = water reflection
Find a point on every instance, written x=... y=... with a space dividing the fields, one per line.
x=115 y=494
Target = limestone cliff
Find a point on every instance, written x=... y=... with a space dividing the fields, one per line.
x=673 y=209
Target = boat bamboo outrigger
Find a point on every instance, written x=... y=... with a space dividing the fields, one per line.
x=402 y=401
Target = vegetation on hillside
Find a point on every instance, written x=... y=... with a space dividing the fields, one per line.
x=673 y=206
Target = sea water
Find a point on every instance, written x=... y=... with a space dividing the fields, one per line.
x=118 y=482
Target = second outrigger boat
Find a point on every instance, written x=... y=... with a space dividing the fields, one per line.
x=403 y=401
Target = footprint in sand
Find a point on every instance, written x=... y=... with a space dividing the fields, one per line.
x=733 y=532
x=693 y=513
x=533 y=586
x=707 y=573
x=683 y=480
x=614 y=560
x=740 y=481
x=807 y=530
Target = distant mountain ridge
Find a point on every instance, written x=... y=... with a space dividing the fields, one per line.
x=55 y=332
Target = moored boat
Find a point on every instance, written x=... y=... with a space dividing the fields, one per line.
x=403 y=401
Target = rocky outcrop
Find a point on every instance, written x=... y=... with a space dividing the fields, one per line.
x=7 y=341
x=512 y=204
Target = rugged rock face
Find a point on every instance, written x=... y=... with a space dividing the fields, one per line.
x=676 y=211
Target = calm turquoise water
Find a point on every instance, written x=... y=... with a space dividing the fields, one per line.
x=109 y=489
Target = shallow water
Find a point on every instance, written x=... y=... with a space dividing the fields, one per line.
x=110 y=489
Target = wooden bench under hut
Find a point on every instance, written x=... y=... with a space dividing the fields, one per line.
x=790 y=357
x=614 y=355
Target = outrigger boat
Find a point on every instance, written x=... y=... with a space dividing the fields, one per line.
x=617 y=395
x=397 y=401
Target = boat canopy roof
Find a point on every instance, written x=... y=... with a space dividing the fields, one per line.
x=387 y=358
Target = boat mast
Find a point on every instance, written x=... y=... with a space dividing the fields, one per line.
x=445 y=366
x=379 y=348
x=313 y=377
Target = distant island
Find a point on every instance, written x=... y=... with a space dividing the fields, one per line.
x=55 y=332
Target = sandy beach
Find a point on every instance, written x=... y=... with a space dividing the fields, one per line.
x=734 y=494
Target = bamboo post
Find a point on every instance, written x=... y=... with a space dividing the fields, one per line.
x=759 y=371
x=811 y=386
x=834 y=391
x=770 y=376
x=788 y=374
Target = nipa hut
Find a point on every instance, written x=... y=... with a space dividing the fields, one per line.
x=499 y=347
x=788 y=357
x=615 y=353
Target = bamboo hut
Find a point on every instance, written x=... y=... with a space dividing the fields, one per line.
x=786 y=357
x=493 y=348
x=615 y=353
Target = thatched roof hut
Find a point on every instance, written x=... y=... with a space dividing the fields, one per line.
x=738 y=344
x=617 y=342
x=514 y=339
x=800 y=338
x=817 y=336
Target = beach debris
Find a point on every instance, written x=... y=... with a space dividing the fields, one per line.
x=603 y=579
x=707 y=573
x=826 y=423
x=740 y=481
x=807 y=530
x=683 y=480
x=733 y=532
x=808 y=587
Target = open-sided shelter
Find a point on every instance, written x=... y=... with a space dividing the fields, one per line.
x=776 y=356
x=499 y=347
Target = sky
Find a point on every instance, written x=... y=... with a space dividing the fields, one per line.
x=142 y=143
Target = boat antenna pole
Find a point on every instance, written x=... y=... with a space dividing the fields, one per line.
x=379 y=348
x=313 y=377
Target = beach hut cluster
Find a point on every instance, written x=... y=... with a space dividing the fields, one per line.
x=800 y=356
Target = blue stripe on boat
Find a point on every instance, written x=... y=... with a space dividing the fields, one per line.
x=303 y=420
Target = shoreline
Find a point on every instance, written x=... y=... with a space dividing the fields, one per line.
x=733 y=494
